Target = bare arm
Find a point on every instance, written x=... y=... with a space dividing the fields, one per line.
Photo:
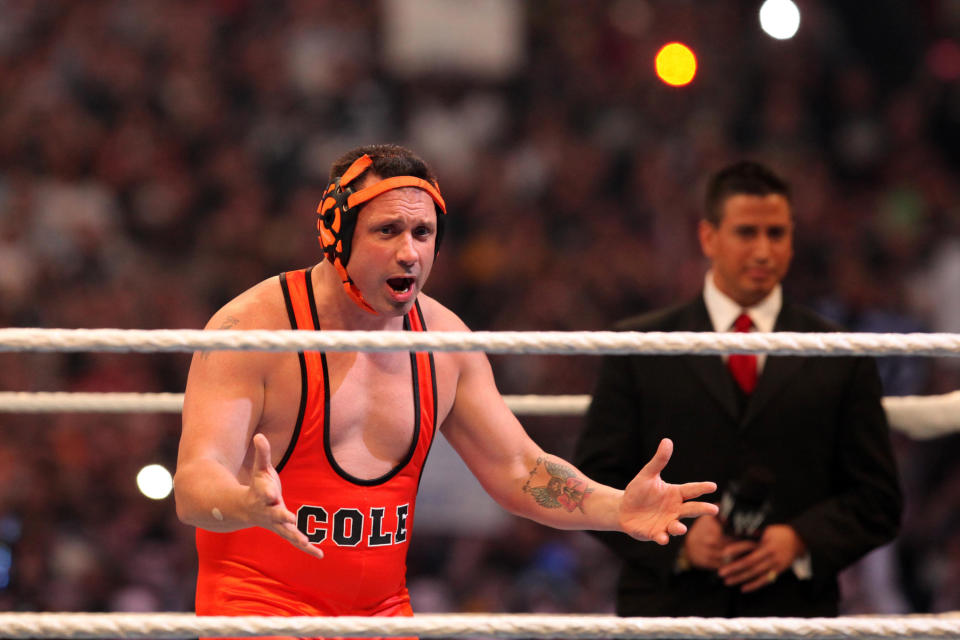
x=225 y=478
x=529 y=482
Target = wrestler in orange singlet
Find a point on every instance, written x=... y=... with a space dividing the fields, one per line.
x=300 y=470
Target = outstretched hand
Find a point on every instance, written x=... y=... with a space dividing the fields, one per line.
x=651 y=508
x=265 y=500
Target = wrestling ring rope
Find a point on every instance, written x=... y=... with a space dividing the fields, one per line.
x=939 y=414
x=185 y=625
x=525 y=342
x=919 y=417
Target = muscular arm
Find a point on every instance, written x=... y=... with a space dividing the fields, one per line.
x=225 y=477
x=512 y=468
x=529 y=482
x=222 y=407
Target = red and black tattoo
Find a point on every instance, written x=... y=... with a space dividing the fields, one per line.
x=563 y=489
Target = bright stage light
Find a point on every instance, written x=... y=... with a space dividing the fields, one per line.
x=780 y=19
x=155 y=482
x=675 y=64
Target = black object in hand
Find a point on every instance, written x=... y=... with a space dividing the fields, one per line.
x=745 y=504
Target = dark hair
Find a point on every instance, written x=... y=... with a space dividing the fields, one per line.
x=749 y=178
x=389 y=160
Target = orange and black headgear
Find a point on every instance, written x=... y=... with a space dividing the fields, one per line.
x=338 y=211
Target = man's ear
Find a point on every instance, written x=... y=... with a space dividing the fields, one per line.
x=707 y=233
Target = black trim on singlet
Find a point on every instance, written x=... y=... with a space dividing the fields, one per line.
x=326 y=418
x=433 y=381
x=303 y=372
x=433 y=366
x=312 y=301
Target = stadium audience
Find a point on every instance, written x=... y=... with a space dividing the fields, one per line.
x=156 y=157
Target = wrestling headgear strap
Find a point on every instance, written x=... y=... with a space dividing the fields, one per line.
x=339 y=209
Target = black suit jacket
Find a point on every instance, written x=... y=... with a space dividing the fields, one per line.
x=816 y=422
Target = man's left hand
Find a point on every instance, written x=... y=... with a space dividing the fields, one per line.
x=775 y=552
x=651 y=508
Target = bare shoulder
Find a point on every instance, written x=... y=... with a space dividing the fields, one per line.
x=260 y=307
x=454 y=368
x=438 y=317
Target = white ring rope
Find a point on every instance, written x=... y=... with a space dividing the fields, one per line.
x=937 y=412
x=528 y=342
x=184 y=625
x=920 y=417
x=924 y=417
x=63 y=401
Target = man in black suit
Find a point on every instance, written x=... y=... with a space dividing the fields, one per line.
x=799 y=446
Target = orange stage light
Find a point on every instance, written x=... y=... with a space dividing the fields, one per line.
x=675 y=64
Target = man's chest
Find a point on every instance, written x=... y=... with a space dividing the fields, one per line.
x=374 y=403
x=374 y=399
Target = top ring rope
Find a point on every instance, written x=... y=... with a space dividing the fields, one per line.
x=183 y=625
x=527 y=342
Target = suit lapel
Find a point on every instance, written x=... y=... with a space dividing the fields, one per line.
x=710 y=369
x=776 y=371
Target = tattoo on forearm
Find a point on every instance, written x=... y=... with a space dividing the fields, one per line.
x=563 y=488
x=229 y=323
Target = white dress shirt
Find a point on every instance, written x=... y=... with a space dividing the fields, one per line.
x=724 y=311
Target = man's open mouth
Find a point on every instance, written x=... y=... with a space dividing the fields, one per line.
x=401 y=284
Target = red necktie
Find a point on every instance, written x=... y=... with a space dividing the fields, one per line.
x=743 y=366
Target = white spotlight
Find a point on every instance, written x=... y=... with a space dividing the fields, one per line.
x=155 y=482
x=780 y=19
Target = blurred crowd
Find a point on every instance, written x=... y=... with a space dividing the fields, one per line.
x=158 y=157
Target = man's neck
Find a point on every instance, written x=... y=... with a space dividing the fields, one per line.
x=723 y=309
x=337 y=312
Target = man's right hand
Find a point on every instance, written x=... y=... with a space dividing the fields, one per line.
x=265 y=500
x=705 y=542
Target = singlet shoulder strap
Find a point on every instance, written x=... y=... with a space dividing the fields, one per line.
x=426 y=371
x=415 y=318
x=298 y=296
